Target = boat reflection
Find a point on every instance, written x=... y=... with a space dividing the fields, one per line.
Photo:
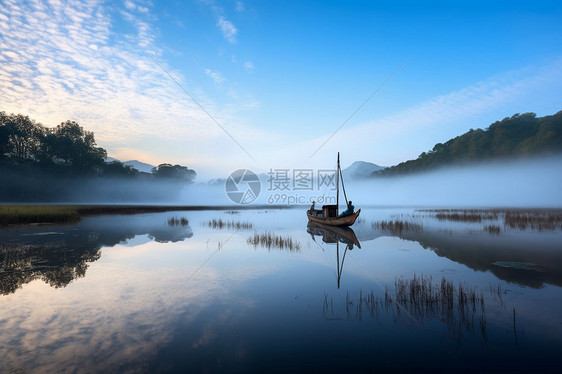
x=337 y=235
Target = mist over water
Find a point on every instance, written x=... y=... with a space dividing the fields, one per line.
x=523 y=183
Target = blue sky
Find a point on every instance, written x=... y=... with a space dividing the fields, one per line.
x=280 y=77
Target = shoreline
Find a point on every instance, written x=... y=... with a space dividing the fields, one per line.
x=27 y=214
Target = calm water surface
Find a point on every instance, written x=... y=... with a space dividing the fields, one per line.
x=136 y=294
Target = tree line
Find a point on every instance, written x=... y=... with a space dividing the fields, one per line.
x=67 y=147
x=518 y=136
x=31 y=153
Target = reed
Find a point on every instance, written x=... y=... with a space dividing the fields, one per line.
x=396 y=227
x=269 y=240
x=220 y=224
x=492 y=229
x=175 y=221
x=534 y=219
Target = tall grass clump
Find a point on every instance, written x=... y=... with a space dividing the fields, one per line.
x=175 y=221
x=534 y=219
x=396 y=227
x=237 y=225
x=269 y=240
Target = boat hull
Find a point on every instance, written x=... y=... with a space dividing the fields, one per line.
x=334 y=221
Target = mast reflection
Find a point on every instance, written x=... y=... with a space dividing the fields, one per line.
x=337 y=235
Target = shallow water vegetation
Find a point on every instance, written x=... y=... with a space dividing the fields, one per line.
x=26 y=214
x=534 y=219
x=237 y=225
x=417 y=299
x=396 y=227
x=175 y=221
x=269 y=240
x=463 y=215
x=492 y=229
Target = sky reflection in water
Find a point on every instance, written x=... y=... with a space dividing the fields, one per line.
x=131 y=293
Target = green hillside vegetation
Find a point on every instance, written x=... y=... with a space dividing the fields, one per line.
x=39 y=163
x=519 y=136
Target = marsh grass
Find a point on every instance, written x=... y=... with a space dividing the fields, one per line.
x=492 y=229
x=175 y=221
x=269 y=240
x=237 y=225
x=534 y=219
x=396 y=227
x=461 y=308
x=30 y=214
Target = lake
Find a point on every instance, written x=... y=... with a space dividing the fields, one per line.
x=261 y=291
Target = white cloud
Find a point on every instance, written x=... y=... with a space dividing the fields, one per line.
x=239 y=6
x=249 y=66
x=228 y=30
x=215 y=75
x=76 y=68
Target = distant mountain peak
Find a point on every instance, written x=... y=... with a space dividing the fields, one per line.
x=139 y=165
x=361 y=169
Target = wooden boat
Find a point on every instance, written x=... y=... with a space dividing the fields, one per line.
x=329 y=213
x=314 y=216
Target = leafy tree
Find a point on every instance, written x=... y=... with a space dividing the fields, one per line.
x=117 y=168
x=70 y=144
x=20 y=137
x=174 y=172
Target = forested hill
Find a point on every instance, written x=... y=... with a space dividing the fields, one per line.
x=519 y=136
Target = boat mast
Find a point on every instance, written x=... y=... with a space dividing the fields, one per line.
x=338 y=186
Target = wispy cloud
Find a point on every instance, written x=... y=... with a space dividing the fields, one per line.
x=389 y=140
x=65 y=62
x=229 y=31
x=215 y=75
x=249 y=66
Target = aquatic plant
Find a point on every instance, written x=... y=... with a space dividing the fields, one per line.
x=220 y=224
x=397 y=226
x=534 y=219
x=269 y=240
x=175 y=221
x=492 y=229
x=420 y=298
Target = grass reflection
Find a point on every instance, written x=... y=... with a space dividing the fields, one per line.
x=415 y=300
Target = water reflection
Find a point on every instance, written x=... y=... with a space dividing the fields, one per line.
x=531 y=259
x=418 y=301
x=58 y=254
x=337 y=235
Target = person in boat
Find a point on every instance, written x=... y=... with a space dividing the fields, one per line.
x=348 y=211
x=312 y=207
